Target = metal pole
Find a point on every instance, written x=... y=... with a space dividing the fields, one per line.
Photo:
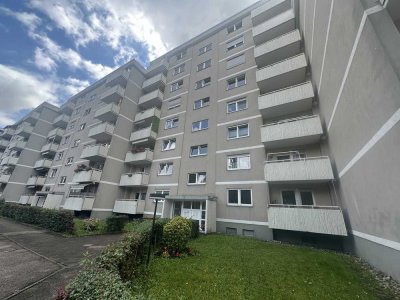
x=152 y=233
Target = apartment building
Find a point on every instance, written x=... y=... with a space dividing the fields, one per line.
x=261 y=126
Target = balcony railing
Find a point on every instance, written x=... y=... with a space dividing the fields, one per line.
x=316 y=219
x=139 y=158
x=268 y=10
x=301 y=170
x=56 y=132
x=36 y=181
x=292 y=132
x=25 y=129
x=67 y=108
x=61 y=121
x=157 y=66
x=43 y=164
x=4 y=178
x=9 y=161
x=113 y=94
x=118 y=78
x=79 y=203
x=129 y=206
x=95 y=152
x=87 y=176
x=27 y=199
x=108 y=113
x=49 y=148
x=17 y=145
x=286 y=101
x=143 y=136
x=146 y=116
x=134 y=179
x=3 y=143
x=151 y=99
x=156 y=82
x=7 y=133
x=102 y=132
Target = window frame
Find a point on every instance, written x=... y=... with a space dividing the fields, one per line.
x=181 y=55
x=204 y=65
x=179 y=69
x=205 y=49
x=238 y=156
x=201 y=126
x=202 y=101
x=240 y=42
x=87 y=111
x=236 y=64
x=197 y=178
x=234 y=27
x=163 y=142
x=171 y=166
x=76 y=143
x=166 y=127
x=236 y=105
x=63 y=180
x=59 y=155
x=178 y=86
x=53 y=173
x=198 y=148
x=236 y=84
x=69 y=161
x=239 y=196
x=237 y=130
x=204 y=82
x=176 y=105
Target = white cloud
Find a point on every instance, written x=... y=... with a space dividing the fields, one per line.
x=30 y=20
x=43 y=61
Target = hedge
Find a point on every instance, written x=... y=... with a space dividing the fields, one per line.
x=59 y=221
x=116 y=223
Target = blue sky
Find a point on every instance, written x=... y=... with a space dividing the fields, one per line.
x=52 y=49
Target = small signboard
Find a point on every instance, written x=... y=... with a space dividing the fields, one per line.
x=157 y=196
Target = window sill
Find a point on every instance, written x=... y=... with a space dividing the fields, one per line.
x=240 y=205
x=196 y=183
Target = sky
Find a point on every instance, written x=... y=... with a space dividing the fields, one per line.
x=52 y=49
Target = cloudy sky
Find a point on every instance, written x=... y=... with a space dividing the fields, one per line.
x=52 y=49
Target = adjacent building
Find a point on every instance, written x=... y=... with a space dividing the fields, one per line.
x=280 y=122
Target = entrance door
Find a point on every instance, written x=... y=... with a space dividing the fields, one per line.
x=195 y=210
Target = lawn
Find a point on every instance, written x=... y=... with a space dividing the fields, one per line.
x=228 y=267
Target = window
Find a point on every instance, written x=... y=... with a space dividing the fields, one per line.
x=71 y=125
x=237 y=105
x=248 y=233
x=174 y=103
x=168 y=144
x=205 y=49
x=288 y=197
x=69 y=161
x=59 y=155
x=47 y=189
x=179 y=69
x=200 y=125
x=297 y=197
x=306 y=198
x=235 y=61
x=231 y=231
x=240 y=197
x=197 y=178
x=63 y=179
x=238 y=131
x=201 y=103
x=176 y=85
x=166 y=169
x=204 y=65
x=238 y=162
x=199 y=150
x=87 y=111
x=181 y=55
x=235 y=43
x=53 y=173
x=171 y=123
x=235 y=27
x=66 y=139
x=162 y=192
x=236 y=82
x=82 y=126
x=202 y=83
x=76 y=143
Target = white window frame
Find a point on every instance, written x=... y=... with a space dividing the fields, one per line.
x=63 y=180
x=177 y=85
x=204 y=65
x=239 y=197
x=66 y=139
x=76 y=143
x=239 y=42
x=238 y=63
x=236 y=102
x=179 y=69
x=197 y=178
x=200 y=125
x=203 y=83
x=162 y=192
x=198 y=150
x=59 y=155
x=82 y=126
x=169 y=169
x=205 y=49
x=69 y=161
x=169 y=142
x=297 y=196
x=204 y=102
x=175 y=105
x=181 y=55
x=169 y=123
x=237 y=131
x=52 y=173
x=240 y=165
x=234 y=27
x=236 y=82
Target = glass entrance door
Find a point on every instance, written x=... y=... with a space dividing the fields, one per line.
x=195 y=210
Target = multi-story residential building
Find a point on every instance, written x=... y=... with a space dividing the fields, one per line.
x=277 y=123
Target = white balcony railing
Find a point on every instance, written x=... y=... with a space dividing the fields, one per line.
x=101 y=132
x=56 y=132
x=4 y=178
x=156 y=82
x=151 y=99
x=95 y=152
x=87 y=176
x=36 y=181
x=129 y=206
x=17 y=145
x=317 y=219
x=79 y=203
x=61 y=121
x=146 y=115
x=138 y=158
x=107 y=113
x=11 y=161
x=25 y=129
x=268 y=10
x=50 y=147
x=43 y=164
x=144 y=134
x=134 y=179
x=113 y=94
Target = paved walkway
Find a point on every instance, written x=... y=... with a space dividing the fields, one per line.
x=34 y=262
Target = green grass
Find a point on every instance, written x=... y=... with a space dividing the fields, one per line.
x=241 y=268
x=79 y=229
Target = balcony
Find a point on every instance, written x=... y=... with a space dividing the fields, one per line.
x=3 y=144
x=87 y=176
x=274 y=27
x=304 y=170
x=56 y=133
x=32 y=117
x=16 y=145
x=139 y=158
x=316 y=219
x=24 y=130
x=143 y=136
x=282 y=74
x=67 y=108
x=27 y=199
x=118 y=78
x=292 y=132
x=157 y=66
x=107 y=113
x=152 y=99
x=42 y=164
x=134 y=179
x=156 y=82
x=129 y=206
x=102 y=132
x=61 y=121
x=7 y=133
x=269 y=10
x=95 y=152
x=34 y=181
x=145 y=118
x=286 y=101
x=9 y=161
x=79 y=203
x=49 y=148
x=113 y=94
x=278 y=49
x=4 y=178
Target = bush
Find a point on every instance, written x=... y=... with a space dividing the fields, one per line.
x=116 y=223
x=177 y=234
x=55 y=220
x=90 y=226
x=130 y=226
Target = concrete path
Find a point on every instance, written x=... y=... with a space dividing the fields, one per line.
x=34 y=263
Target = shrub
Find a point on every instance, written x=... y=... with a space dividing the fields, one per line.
x=177 y=234
x=130 y=226
x=116 y=223
x=59 y=221
x=91 y=224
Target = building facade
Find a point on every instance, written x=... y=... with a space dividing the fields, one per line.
x=278 y=123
